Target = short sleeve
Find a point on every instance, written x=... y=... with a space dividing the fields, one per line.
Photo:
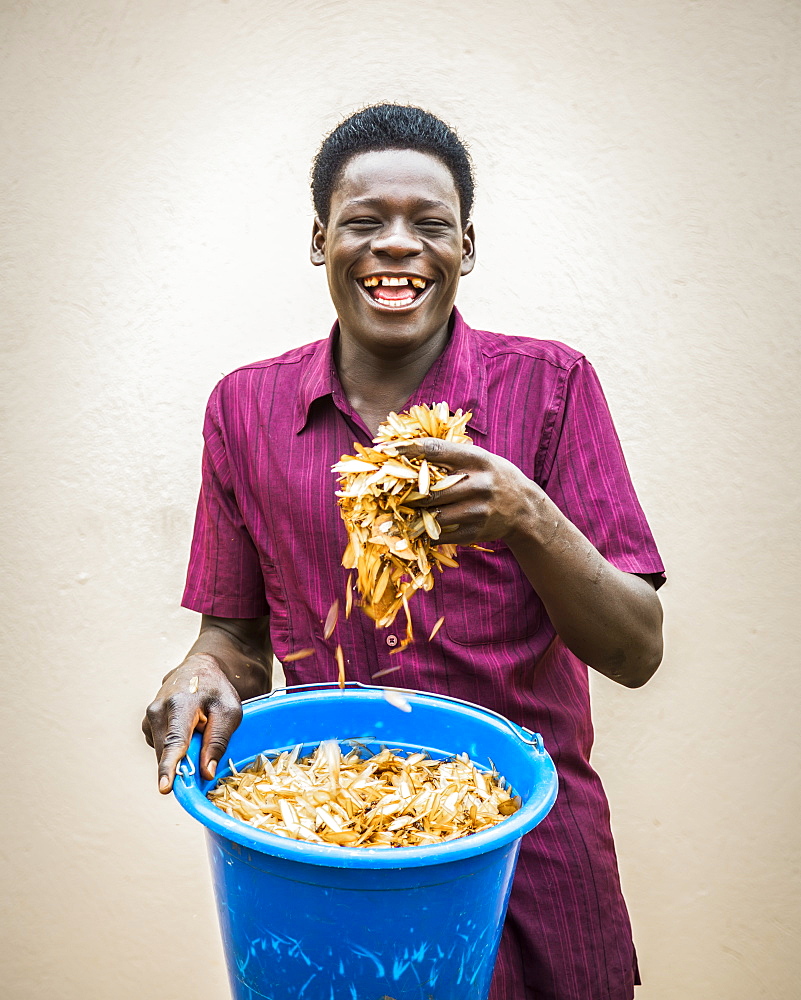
x=224 y=576
x=585 y=474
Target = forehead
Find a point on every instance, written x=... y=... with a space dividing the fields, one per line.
x=392 y=174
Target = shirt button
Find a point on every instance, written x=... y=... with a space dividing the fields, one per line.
x=392 y=640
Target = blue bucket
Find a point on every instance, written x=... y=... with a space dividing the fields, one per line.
x=322 y=922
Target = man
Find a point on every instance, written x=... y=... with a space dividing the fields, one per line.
x=570 y=581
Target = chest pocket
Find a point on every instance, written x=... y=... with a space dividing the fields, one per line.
x=488 y=598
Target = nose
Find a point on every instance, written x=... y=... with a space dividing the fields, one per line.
x=397 y=240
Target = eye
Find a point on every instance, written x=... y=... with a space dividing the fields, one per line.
x=362 y=222
x=434 y=225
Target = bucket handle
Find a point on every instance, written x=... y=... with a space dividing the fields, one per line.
x=186 y=770
x=523 y=734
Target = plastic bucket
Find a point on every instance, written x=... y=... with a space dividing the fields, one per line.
x=318 y=922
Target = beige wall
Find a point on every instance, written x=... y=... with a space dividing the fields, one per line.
x=638 y=198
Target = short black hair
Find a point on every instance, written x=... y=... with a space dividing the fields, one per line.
x=390 y=126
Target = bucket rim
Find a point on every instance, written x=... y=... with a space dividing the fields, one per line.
x=193 y=798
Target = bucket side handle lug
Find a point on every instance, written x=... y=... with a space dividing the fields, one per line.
x=186 y=770
x=526 y=735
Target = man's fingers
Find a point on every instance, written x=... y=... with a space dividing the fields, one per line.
x=451 y=495
x=444 y=453
x=183 y=716
x=461 y=523
x=146 y=729
x=462 y=535
x=222 y=721
x=175 y=746
x=154 y=725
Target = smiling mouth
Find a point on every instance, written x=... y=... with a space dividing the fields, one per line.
x=394 y=292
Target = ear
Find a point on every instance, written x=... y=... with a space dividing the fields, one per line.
x=468 y=249
x=317 y=253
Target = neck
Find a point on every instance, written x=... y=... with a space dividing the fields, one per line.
x=377 y=382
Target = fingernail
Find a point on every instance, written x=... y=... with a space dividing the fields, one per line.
x=164 y=783
x=212 y=767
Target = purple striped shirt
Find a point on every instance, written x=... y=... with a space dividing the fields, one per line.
x=269 y=538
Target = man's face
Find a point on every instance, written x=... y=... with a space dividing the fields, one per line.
x=393 y=249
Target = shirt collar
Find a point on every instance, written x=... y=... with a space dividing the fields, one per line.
x=319 y=378
x=458 y=376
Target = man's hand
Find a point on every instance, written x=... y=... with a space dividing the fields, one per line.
x=197 y=696
x=493 y=501
x=610 y=619
x=230 y=661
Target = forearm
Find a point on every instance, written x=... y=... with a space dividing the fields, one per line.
x=240 y=647
x=610 y=619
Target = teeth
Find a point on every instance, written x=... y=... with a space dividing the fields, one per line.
x=393 y=282
x=398 y=303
